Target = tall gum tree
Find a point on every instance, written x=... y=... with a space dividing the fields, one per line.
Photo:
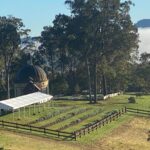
x=11 y=31
x=108 y=29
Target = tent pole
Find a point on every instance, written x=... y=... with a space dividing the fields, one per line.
x=43 y=106
x=48 y=104
x=24 y=111
x=29 y=111
x=13 y=115
x=39 y=107
x=19 y=113
x=34 y=108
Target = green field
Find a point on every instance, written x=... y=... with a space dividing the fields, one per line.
x=66 y=112
x=63 y=112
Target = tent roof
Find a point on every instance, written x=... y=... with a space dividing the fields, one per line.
x=25 y=100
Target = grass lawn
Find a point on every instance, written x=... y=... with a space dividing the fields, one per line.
x=131 y=135
x=14 y=141
x=122 y=135
x=65 y=107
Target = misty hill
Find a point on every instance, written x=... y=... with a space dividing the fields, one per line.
x=144 y=23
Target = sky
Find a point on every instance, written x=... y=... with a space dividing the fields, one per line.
x=39 y=13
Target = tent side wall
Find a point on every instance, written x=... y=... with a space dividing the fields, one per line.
x=5 y=108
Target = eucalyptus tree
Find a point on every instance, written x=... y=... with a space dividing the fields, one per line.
x=11 y=31
x=80 y=41
x=48 y=48
x=141 y=78
x=60 y=25
x=107 y=29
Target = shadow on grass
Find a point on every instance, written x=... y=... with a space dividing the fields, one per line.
x=122 y=103
x=138 y=115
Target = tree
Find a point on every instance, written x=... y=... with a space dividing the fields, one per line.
x=141 y=79
x=48 y=47
x=107 y=29
x=11 y=30
x=145 y=58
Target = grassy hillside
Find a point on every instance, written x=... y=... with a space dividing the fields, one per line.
x=128 y=135
x=63 y=113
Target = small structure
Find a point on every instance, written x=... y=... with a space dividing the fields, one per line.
x=13 y=104
x=30 y=79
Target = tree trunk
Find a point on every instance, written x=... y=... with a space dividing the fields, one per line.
x=95 y=81
x=8 y=85
x=89 y=80
x=104 y=85
x=7 y=77
x=52 y=70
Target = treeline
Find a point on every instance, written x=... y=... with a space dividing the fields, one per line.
x=93 y=50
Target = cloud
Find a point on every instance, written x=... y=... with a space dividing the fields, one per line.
x=144 y=35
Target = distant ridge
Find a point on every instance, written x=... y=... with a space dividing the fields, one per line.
x=144 y=23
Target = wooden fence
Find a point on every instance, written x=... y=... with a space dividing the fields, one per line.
x=138 y=111
x=48 y=132
x=100 y=123
x=79 y=133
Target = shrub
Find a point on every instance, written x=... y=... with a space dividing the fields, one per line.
x=1 y=147
x=139 y=94
x=131 y=100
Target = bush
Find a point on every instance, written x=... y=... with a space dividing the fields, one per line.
x=139 y=94
x=1 y=147
x=131 y=100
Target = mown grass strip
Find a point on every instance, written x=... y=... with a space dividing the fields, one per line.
x=51 y=115
x=80 y=119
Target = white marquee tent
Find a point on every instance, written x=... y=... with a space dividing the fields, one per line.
x=23 y=101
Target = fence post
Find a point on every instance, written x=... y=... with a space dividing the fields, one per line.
x=92 y=128
x=30 y=128
x=80 y=134
x=110 y=118
x=96 y=126
x=2 y=123
x=44 y=130
x=103 y=122
x=99 y=124
x=58 y=134
x=119 y=113
x=125 y=109
x=16 y=126
x=75 y=136
x=114 y=117
x=88 y=130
